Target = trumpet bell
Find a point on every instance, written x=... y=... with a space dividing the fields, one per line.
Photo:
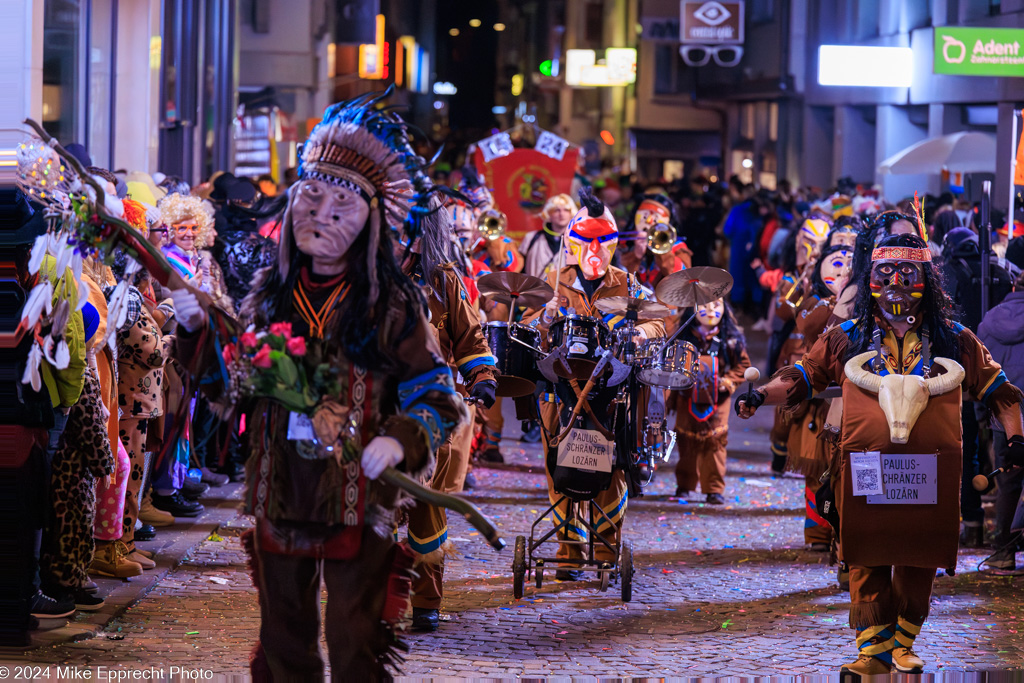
x=491 y=224
x=660 y=238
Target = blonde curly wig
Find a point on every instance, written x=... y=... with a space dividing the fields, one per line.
x=176 y=208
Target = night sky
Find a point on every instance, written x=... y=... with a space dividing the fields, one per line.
x=468 y=60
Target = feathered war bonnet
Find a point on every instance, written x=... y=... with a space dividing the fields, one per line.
x=367 y=150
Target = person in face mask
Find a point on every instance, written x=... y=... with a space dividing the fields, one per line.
x=702 y=413
x=586 y=276
x=902 y=339
x=810 y=455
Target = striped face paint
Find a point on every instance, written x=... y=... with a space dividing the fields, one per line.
x=898 y=287
x=811 y=237
x=835 y=270
x=590 y=243
x=710 y=314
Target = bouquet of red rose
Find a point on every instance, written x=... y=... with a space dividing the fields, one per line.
x=277 y=365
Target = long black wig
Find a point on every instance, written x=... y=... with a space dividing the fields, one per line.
x=937 y=309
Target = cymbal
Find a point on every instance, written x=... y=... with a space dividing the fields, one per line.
x=621 y=305
x=699 y=285
x=528 y=291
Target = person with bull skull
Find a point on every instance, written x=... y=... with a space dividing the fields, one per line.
x=901 y=365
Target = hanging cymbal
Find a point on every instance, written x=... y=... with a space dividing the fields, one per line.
x=622 y=305
x=693 y=286
x=528 y=291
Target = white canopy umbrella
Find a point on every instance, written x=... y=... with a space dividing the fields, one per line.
x=964 y=152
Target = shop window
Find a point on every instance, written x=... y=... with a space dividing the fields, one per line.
x=748 y=120
x=773 y=121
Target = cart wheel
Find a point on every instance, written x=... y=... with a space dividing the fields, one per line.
x=539 y=576
x=519 y=567
x=606 y=579
x=626 y=570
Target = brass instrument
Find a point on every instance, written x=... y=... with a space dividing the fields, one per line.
x=491 y=224
x=660 y=238
x=801 y=282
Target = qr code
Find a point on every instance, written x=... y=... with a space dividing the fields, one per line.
x=867 y=480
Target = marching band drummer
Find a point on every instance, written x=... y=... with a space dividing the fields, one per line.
x=431 y=263
x=702 y=413
x=904 y=331
x=587 y=277
x=486 y=256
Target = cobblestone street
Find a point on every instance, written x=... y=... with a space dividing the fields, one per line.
x=719 y=591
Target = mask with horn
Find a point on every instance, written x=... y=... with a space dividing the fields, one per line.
x=903 y=398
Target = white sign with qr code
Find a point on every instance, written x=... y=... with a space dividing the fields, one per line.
x=866 y=470
x=586 y=449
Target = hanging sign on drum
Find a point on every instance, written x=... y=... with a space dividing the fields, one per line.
x=586 y=449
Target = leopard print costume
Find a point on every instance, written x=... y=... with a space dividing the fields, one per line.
x=83 y=455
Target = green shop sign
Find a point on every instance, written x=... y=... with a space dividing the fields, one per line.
x=966 y=51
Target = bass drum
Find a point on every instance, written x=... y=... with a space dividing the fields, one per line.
x=517 y=365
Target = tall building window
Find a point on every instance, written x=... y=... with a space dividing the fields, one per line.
x=761 y=11
x=62 y=69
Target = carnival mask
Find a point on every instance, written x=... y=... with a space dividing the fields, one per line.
x=464 y=218
x=811 y=237
x=591 y=242
x=710 y=314
x=844 y=236
x=898 y=287
x=649 y=214
x=835 y=270
x=327 y=219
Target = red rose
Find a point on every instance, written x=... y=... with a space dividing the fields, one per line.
x=282 y=330
x=296 y=346
x=229 y=354
x=262 y=358
x=248 y=340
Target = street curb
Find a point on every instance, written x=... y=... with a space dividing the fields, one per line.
x=171 y=545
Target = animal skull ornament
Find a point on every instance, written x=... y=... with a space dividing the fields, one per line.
x=903 y=397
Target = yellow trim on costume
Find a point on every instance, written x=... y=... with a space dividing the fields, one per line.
x=463 y=361
x=910 y=628
x=869 y=633
x=424 y=541
x=904 y=640
x=879 y=648
x=985 y=388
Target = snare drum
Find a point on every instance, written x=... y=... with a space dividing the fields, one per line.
x=517 y=365
x=583 y=339
x=673 y=367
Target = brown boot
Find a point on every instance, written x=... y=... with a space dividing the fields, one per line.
x=138 y=558
x=152 y=515
x=111 y=560
x=866 y=665
x=903 y=657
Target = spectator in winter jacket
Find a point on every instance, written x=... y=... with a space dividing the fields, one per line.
x=1002 y=331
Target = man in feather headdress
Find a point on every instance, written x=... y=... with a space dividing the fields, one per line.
x=319 y=516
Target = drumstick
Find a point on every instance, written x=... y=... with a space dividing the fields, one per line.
x=751 y=374
x=982 y=482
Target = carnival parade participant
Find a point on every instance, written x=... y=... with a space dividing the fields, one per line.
x=586 y=277
x=702 y=413
x=655 y=214
x=337 y=287
x=810 y=454
x=806 y=243
x=540 y=249
x=905 y=330
x=487 y=254
x=433 y=263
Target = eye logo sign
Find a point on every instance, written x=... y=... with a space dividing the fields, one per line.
x=712 y=13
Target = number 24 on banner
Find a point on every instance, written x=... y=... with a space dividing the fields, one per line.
x=550 y=145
